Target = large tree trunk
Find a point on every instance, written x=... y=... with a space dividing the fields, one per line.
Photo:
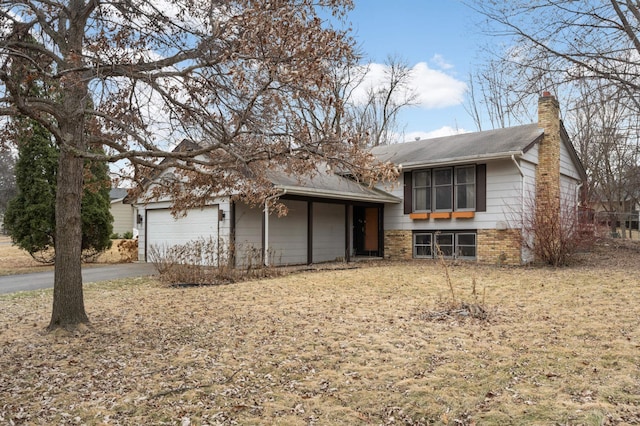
x=68 y=300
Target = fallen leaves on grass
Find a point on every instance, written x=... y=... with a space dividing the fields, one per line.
x=333 y=347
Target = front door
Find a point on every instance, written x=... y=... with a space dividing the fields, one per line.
x=366 y=236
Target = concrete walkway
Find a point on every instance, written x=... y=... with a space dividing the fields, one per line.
x=41 y=280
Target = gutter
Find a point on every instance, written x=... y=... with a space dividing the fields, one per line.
x=338 y=195
x=265 y=253
x=461 y=160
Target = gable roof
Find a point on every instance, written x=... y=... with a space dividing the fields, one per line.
x=465 y=147
x=117 y=193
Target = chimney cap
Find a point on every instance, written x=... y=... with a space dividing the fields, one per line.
x=546 y=94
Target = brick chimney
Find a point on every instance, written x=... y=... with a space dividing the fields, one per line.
x=548 y=172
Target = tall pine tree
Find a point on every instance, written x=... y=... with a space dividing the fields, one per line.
x=30 y=218
x=30 y=215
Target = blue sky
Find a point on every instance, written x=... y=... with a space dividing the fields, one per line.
x=440 y=38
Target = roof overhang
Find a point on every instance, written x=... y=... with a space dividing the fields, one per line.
x=368 y=195
x=461 y=160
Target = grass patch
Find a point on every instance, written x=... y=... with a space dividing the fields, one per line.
x=558 y=346
x=14 y=260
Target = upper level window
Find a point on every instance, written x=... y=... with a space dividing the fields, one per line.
x=444 y=189
x=422 y=190
x=465 y=188
x=443 y=184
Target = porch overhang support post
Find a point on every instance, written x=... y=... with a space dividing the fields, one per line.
x=381 y=231
x=347 y=234
x=309 y=232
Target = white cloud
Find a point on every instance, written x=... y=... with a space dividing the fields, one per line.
x=443 y=131
x=434 y=89
x=439 y=60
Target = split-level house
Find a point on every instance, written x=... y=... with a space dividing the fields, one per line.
x=464 y=195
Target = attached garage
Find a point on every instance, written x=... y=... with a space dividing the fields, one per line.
x=163 y=230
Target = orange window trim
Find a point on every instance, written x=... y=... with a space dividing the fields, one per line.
x=416 y=216
x=463 y=215
x=441 y=215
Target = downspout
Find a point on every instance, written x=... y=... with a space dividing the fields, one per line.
x=577 y=212
x=513 y=158
x=578 y=187
x=522 y=207
x=266 y=225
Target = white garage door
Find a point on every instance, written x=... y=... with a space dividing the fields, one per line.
x=163 y=230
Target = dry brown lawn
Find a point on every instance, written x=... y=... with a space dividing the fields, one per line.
x=13 y=260
x=16 y=261
x=371 y=345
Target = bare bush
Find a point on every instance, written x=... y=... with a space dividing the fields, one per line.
x=204 y=261
x=555 y=237
x=458 y=308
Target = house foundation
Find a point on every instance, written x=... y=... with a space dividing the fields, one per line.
x=398 y=244
x=503 y=247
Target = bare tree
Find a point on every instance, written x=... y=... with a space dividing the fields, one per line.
x=373 y=95
x=504 y=91
x=139 y=76
x=586 y=53
x=606 y=134
x=564 y=40
x=493 y=90
x=376 y=116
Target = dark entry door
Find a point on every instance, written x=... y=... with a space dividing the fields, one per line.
x=366 y=230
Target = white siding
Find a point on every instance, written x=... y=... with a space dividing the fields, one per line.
x=288 y=235
x=504 y=196
x=527 y=202
x=569 y=181
x=248 y=235
x=287 y=243
x=567 y=167
x=328 y=232
x=568 y=195
x=122 y=217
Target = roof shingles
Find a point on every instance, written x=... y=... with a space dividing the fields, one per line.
x=489 y=144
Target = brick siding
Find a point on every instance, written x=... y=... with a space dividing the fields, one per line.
x=398 y=244
x=501 y=247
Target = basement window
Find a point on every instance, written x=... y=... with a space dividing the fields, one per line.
x=422 y=245
x=466 y=246
x=452 y=244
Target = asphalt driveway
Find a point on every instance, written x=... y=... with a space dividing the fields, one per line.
x=41 y=280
